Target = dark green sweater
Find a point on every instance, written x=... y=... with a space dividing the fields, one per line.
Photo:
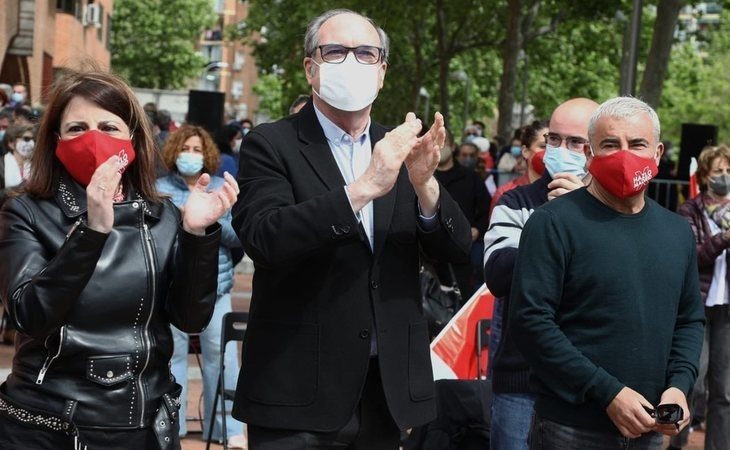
x=603 y=300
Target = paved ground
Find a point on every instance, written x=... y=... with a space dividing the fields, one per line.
x=241 y=297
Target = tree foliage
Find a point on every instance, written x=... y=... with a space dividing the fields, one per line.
x=569 y=49
x=153 y=43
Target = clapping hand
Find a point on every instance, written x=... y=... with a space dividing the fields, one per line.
x=424 y=157
x=203 y=208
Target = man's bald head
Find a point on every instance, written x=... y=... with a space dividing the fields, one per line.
x=571 y=118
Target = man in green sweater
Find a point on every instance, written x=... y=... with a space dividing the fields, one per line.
x=605 y=300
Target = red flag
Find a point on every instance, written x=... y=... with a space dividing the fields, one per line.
x=453 y=351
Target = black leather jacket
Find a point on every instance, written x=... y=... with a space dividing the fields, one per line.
x=93 y=310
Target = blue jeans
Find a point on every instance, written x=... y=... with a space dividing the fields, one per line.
x=210 y=342
x=548 y=435
x=511 y=419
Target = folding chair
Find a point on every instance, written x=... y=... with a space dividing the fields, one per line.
x=234 y=329
x=483 y=328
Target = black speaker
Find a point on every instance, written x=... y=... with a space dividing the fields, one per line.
x=695 y=137
x=205 y=109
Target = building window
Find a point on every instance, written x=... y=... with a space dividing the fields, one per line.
x=100 y=27
x=74 y=7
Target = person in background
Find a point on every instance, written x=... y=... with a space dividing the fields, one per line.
x=467 y=189
x=298 y=103
x=533 y=148
x=6 y=118
x=246 y=126
x=510 y=157
x=164 y=119
x=189 y=153
x=612 y=338
x=226 y=138
x=512 y=408
x=20 y=142
x=709 y=216
x=4 y=99
x=23 y=115
x=19 y=97
x=96 y=265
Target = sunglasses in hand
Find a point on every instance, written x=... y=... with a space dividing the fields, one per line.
x=667 y=414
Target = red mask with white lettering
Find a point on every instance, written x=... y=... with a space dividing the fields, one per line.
x=537 y=162
x=82 y=155
x=623 y=173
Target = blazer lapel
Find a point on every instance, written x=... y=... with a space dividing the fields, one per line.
x=316 y=151
x=383 y=206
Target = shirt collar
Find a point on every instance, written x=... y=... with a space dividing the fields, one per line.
x=337 y=135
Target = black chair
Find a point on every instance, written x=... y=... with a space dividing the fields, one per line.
x=234 y=329
x=483 y=329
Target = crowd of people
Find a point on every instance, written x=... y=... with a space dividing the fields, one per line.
x=120 y=229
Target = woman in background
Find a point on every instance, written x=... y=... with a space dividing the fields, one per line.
x=188 y=153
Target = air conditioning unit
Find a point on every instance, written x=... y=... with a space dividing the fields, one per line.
x=92 y=15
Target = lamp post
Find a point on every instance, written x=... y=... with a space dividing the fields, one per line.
x=460 y=75
x=427 y=103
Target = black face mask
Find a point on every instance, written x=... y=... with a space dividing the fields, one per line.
x=720 y=184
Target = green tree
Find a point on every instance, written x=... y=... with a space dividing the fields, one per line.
x=153 y=42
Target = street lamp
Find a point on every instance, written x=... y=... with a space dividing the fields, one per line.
x=460 y=75
x=427 y=104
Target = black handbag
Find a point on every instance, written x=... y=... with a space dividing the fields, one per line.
x=439 y=301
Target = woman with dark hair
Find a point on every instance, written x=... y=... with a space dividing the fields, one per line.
x=96 y=266
x=533 y=150
x=226 y=138
x=188 y=153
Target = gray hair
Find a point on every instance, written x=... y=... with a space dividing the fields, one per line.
x=621 y=108
x=311 y=38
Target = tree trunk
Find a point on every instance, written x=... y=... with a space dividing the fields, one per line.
x=444 y=61
x=510 y=56
x=661 y=48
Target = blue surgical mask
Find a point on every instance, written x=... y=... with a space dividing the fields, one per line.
x=562 y=160
x=189 y=164
x=516 y=150
x=17 y=97
x=2 y=134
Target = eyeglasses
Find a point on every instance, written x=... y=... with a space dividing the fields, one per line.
x=669 y=413
x=574 y=143
x=336 y=53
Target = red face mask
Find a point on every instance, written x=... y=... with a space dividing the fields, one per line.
x=623 y=173
x=82 y=155
x=537 y=162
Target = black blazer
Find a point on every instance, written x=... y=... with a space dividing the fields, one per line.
x=319 y=291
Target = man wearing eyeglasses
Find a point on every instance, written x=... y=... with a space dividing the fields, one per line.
x=332 y=210
x=606 y=304
x=512 y=408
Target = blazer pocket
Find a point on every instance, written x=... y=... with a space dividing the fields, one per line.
x=282 y=363
x=109 y=370
x=420 y=374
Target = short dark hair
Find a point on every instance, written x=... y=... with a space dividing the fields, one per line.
x=468 y=144
x=529 y=132
x=300 y=100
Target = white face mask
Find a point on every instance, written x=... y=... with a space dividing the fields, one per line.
x=348 y=86
x=24 y=148
x=237 y=145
